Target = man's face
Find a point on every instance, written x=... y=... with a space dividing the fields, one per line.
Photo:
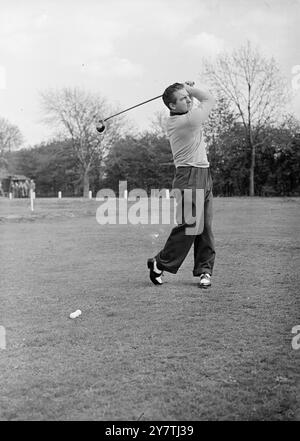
x=183 y=101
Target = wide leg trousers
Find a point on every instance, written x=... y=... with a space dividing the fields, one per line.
x=185 y=185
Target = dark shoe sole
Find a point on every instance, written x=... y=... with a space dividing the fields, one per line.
x=153 y=274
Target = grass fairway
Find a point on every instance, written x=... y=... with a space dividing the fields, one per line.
x=143 y=352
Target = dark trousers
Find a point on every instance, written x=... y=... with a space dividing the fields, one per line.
x=177 y=246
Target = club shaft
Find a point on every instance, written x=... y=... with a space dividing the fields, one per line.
x=133 y=107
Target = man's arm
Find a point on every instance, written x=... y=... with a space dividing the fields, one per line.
x=198 y=116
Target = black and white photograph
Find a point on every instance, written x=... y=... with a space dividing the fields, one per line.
x=149 y=213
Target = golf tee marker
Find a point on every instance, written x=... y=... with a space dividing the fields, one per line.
x=31 y=199
x=2 y=338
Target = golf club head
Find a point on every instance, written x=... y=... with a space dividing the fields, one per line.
x=100 y=127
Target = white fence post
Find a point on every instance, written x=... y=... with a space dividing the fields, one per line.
x=2 y=338
x=31 y=199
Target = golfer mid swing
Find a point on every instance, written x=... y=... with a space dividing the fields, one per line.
x=192 y=176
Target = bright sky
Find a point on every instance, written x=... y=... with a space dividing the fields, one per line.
x=129 y=50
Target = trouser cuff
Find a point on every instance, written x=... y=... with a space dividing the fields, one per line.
x=197 y=273
x=162 y=267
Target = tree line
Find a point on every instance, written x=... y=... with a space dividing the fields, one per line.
x=252 y=143
x=145 y=161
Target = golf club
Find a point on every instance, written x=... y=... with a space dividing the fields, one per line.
x=101 y=126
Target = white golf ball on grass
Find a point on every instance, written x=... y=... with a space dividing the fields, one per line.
x=75 y=314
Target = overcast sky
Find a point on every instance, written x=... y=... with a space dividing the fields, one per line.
x=129 y=50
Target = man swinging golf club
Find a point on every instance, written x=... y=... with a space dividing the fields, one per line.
x=184 y=129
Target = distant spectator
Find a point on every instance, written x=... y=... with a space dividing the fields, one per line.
x=22 y=189
x=32 y=185
x=17 y=190
x=27 y=188
x=1 y=189
x=11 y=188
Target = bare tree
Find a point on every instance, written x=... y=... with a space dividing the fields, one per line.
x=10 y=139
x=74 y=113
x=254 y=88
x=158 y=124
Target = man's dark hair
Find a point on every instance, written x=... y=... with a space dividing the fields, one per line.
x=168 y=95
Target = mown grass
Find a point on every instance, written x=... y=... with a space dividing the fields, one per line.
x=143 y=352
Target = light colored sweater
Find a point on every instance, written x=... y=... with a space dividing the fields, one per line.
x=185 y=132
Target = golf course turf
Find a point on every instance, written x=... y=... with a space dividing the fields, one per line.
x=139 y=351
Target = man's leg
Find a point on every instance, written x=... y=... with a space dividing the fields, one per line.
x=178 y=244
x=204 y=248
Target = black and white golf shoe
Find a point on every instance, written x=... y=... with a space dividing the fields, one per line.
x=155 y=273
x=205 y=280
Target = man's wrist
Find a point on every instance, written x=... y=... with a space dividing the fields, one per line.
x=189 y=85
x=188 y=88
x=199 y=94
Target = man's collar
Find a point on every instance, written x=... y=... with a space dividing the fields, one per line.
x=177 y=113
